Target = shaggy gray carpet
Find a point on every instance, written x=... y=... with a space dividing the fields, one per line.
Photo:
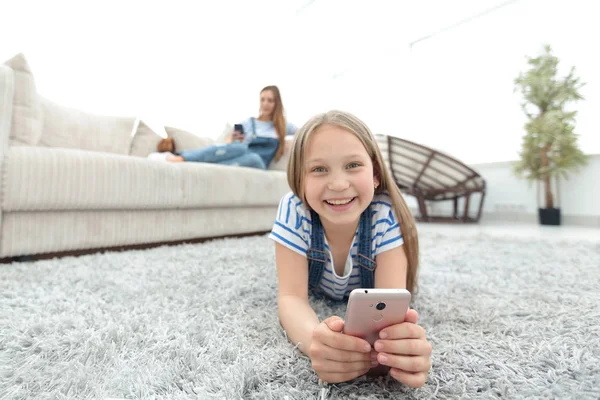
x=507 y=318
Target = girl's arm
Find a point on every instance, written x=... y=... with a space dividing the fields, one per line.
x=297 y=317
x=335 y=357
x=391 y=269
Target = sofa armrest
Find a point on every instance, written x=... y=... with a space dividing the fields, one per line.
x=7 y=91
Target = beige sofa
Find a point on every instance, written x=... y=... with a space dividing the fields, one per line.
x=73 y=181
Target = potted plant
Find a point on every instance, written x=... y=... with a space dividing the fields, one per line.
x=549 y=148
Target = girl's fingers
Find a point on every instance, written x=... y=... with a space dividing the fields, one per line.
x=414 y=380
x=412 y=316
x=405 y=330
x=407 y=347
x=330 y=353
x=341 y=341
x=338 y=367
x=405 y=363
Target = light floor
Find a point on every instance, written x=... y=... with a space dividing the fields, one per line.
x=515 y=229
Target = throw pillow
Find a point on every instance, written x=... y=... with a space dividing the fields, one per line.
x=187 y=141
x=225 y=135
x=74 y=129
x=145 y=140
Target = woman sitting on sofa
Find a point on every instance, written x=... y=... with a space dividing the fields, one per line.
x=262 y=142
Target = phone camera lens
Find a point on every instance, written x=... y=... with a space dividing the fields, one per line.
x=366 y=291
x=380 y=306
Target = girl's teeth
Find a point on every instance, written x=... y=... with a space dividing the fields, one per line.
x=339 y=202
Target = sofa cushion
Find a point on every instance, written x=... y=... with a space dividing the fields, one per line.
x=26 y=127
x=145 y=140
x=187 y=141
x=213 y=185
x=39 y=178
x=70 y=128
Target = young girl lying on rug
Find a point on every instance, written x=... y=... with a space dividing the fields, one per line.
x=338 y=176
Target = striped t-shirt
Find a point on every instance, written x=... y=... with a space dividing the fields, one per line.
x=293 y=227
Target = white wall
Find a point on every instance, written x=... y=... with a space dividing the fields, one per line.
x=454 y=91
x=197 y=64
x=186 y=63
x=511 y=199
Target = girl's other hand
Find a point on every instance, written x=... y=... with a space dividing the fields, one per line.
x=405 y=349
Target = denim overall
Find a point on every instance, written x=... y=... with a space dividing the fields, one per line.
x=264 y=147
x=317 y=256
x=225 y=154
x=258 y=152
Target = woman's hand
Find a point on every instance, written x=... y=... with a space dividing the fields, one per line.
x=405 y=349
x=337 y=357
x=237 y=136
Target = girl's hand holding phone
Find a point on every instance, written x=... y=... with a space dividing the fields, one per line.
x=337 y=357
x=405 y=349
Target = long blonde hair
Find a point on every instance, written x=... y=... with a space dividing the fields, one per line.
x=350 y=123
x=278 y=119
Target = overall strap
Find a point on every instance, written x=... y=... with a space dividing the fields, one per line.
x=364 y=257
x=253 y=127
x=316 y=254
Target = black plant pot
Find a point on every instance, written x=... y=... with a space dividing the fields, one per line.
x=549 y=216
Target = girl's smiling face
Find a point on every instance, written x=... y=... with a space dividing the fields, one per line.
x=338 y=182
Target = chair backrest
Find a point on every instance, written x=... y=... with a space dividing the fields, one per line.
x=417 y=168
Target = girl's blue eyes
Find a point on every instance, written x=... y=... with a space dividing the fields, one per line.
x=322 y=169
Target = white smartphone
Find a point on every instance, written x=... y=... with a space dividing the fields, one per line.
x=370 y=310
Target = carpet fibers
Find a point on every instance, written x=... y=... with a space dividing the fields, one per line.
x=507 y=317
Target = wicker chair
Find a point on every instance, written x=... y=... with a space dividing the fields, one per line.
x=431 y=176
